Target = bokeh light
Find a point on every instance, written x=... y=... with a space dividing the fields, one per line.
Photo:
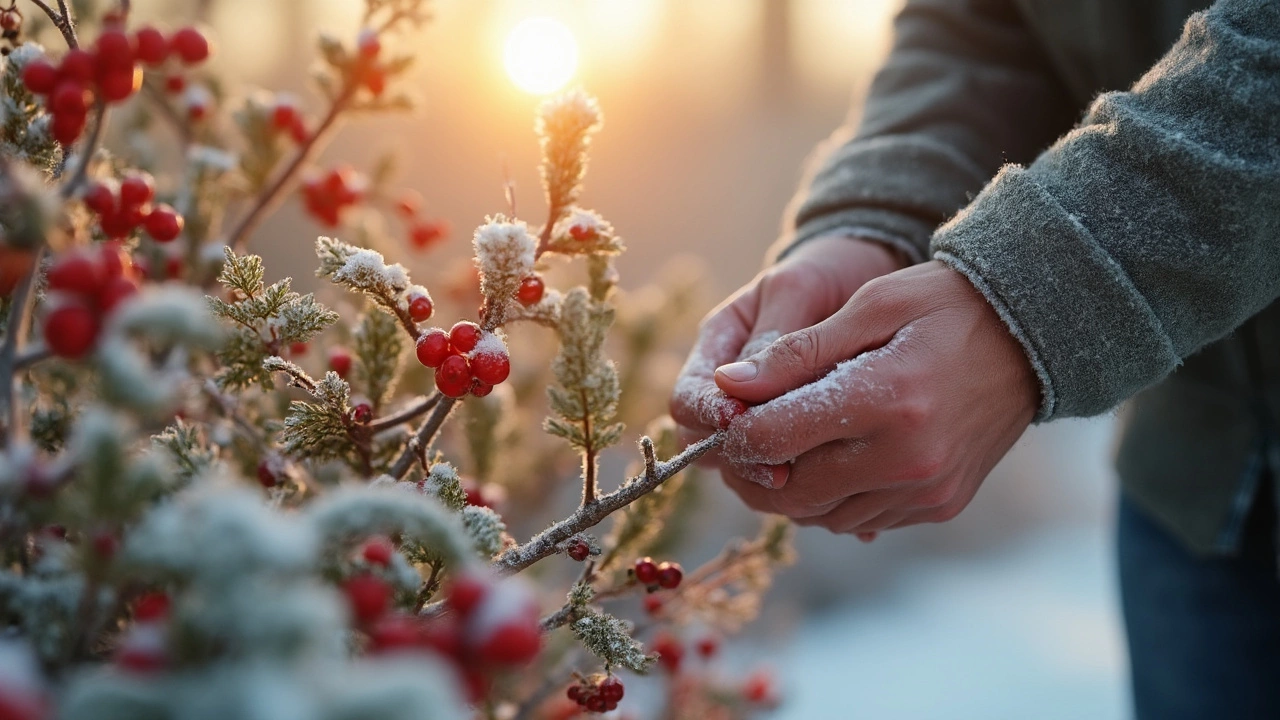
x=541 y=55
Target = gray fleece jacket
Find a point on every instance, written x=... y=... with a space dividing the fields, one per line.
x=1123 y=250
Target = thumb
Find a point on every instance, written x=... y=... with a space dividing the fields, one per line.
x=799 y=358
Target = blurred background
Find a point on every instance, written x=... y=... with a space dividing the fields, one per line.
x=711 y=107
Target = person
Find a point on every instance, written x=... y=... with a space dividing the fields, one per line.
x=913 y=322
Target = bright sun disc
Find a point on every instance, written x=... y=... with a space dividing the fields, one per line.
x=541 y=55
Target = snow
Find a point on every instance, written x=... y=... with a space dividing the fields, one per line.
x=367 y=268
x=490 y=344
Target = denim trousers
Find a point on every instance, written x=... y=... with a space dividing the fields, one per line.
x=1203 y=632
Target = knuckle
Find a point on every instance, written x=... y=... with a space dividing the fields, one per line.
x=797 y=350
x=914 y=414
x=923 y=467
x=877 y=292
x=782 y=280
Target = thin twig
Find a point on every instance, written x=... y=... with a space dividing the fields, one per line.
x=87 y=151
x=14 y=337
x=559 y=618
x=61 y=20
x=418 y=445
x=31 y=357
x=404 y=416
x=545 y=542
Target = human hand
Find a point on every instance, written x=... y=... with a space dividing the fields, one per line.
x=813 y=282
x=936 y=392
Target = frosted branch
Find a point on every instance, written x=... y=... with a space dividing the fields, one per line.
x=417 y=446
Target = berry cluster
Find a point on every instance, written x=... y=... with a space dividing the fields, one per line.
x=84 y=287
x=491 y=626
x=597 y=694
x=466 y=359
x=122 y=206
x=665 y=575
x=327 y=196
x=109 y=72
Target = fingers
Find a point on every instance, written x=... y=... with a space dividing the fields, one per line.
x=789 y=301
x=696 y=401
x=807 y=354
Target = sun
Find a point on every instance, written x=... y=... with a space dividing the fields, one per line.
x=541 y=55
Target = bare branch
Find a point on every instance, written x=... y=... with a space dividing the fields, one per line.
x=62 y=20
x=418 y=445
x=404 y=416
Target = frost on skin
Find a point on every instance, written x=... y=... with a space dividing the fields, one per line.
x=696 y=387
x=610 y=639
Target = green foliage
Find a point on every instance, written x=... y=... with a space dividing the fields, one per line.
x=379 y=351
x=585 y=401
x=318 y=431
x=188 y=448
x=609 y=638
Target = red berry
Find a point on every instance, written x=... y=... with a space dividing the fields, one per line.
x=151 y=606
x=758 y=688
x=464 y=336
x=136 y=189
x=173 y=267
x=298 y=348
x=475 y=496
x=105 y=544
x=143 y=660
x=653 y=604
x=284 y=116
x=670 y=575
x=151 y=45
x=531 y=290
x=175 y=84
x=115 y=261
x=394 y=632
x=420 y=308
x=368 y=44
x=66 y=128
x=727 y=410
x=579 y=550
x=670 y=652
x=76 y=273
x=71 y=330
x=453 y=377
x=480 y=389
x=368 y=596
x=117 y=84
x=68 y=98
x=376 y=80
x=113 y=49
x=116 y=291
x=40 y=77
x=164 y=224
x=100 y=198
x=491 y=367
x=10 y=20
x=465 y=594
x=708 y=646
x=596 y=704
x=611 y=689
x=190 y=45
x=340 y=361
x=574 y=693
x=433 y=348
x=378 y=551
x=78 y=66
x=267 y=474
x=362 y=413
x=116 y=224
x=582 y=233
x=423 y=234
x=511 y=643
x=298 y=131
x=646 y=571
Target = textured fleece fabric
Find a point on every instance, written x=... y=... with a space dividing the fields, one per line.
x=1143 y=235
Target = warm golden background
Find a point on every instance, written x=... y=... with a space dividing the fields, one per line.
x=711 y=107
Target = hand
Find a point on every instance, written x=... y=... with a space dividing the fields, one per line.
x=936 y=392
x=813 y=282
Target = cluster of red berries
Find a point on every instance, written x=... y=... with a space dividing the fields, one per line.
x=123 y=206
x=423 y=233
x=466 y=359
x=491 y=626
x=665 y=575
x=327 y=196
x=287 y=119
x=109 y=72
x=597 y=694
x=87 y=286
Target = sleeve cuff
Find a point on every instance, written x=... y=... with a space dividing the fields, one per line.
x=1089 y=334
x=897 y=233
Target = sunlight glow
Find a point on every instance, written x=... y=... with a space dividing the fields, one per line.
x=541 y=55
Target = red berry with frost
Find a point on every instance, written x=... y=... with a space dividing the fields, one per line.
x=284 y=116
x=378 y=551
x=514 y=642
x=453 y=377
x=582 y=233
x=433 y=347
x=340 y=361
x=670 y=652
x=612 y=690
x=394 y=632
x=76 y=273
x=151 y=46
x=10 y=21
x=646 y=571
x=653 y=604
x=78 y=66
x=68 y=99
x=163 y=223
x=268 y=473
x=116 y=291
x=464 y=336
x=475 y=496
x=361 y=413
x=531 y=291
x=491 y=367
x=67 y=128
x=368 y=596
x=368 y=44
x=480 y=389
x=40 y=77
x=113 y=49
x=71 y=330
x=670 y=575
x=466 y=593
x=136 y=189
x=117 y=84
x=100 y=198
x=151 y=606
x=708 y=646
x=424 y=234
x=190 y=45
x=420 y=308
x=596 y=704
x=574 y=693
x=115 y=261
x=579 y=550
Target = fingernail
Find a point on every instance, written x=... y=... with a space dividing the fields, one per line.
x=739 y=371
x=781 y=473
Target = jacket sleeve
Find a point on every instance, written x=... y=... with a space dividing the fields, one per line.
x=965 y=88
x=1151 y=229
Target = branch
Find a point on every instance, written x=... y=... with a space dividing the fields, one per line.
x=14 y=337
x=31 y=357
x=559 y=618
x=61 y=20
x=589 y=515
x=86 y=153
x=418 y=444
x=404 y=416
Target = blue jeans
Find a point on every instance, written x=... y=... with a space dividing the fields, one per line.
x=1204 y=633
